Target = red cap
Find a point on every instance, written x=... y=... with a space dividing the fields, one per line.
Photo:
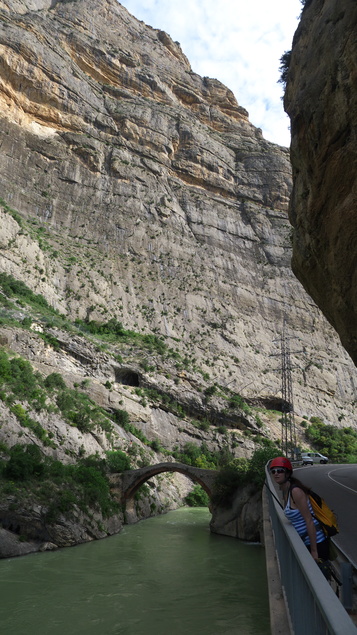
x=281 y=461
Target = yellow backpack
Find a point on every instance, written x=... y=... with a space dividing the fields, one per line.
x=323 y=513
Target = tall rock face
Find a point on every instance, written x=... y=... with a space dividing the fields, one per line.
x=148 y=196
x=321 y=100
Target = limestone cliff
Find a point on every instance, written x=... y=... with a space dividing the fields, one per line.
x=321 y=100
x=134 y=190
x=153 y=199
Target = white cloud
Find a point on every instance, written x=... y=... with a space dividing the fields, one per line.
x=239 y=42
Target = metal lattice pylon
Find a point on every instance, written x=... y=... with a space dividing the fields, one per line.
x=288 y=432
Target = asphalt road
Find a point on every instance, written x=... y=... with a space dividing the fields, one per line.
x=337 y=484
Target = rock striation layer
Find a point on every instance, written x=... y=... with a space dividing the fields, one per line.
x=321 y=100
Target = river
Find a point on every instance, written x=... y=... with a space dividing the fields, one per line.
x=163 y=576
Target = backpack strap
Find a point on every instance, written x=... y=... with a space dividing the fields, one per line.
x=290 y=492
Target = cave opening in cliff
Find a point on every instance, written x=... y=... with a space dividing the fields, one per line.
x=127 y=377
x=270 y=403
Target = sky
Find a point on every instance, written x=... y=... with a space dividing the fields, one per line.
x=239 y=42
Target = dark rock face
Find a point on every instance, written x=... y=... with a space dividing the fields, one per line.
x=243 y=519
x=25 y=530
x=321 y=100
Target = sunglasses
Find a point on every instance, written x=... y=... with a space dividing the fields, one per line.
x=277 y=470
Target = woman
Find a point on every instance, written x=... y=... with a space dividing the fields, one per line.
x=298 y=509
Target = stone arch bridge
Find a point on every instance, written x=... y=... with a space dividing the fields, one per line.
x=124 y=484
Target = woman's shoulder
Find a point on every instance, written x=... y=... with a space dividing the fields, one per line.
x=297 y=492
x=296 y=484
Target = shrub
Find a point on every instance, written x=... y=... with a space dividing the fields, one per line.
x=197 y=498
x=210 y=391
x=95 y=485
x=241 y=472
x=55 y=380
x=224 y=456
x=84 y=486
x=155 y=342
x=65 y=501
x=82 y=418
x=201 y=456
x=120 y=417
x=117 y=461
x=77 y=408
x=155 y=445
x=256 y=471
x=25 y=462
x=226 y=484
x=3 y=447
x=19 y=412
x=316 y=420
x=205 y=462
x=236 y=401
x=114 y=330
x=18 y=379
x=23 y=379
x=204 y=425
x=27 y=422
x=65 y=400
x=284 y=67
x=26 y=322
x=51 y=340
x=95 y=462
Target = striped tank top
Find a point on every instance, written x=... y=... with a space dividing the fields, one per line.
x=299 y=524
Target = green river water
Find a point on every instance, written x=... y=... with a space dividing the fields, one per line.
x=164 y=576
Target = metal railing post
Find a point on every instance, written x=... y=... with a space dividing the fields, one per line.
x=347 y=585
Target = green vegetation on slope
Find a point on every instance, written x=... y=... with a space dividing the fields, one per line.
x=26 y=473
x=240 y=472
x=13 y=288
x=201 y=456
x=18 y=382
x=339 y=444
x=113 y=333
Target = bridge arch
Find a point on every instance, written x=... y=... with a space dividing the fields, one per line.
x=188 y=471
x=126 y=484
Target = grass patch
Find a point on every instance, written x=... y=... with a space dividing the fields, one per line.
x=13 y=288
x=113 y=331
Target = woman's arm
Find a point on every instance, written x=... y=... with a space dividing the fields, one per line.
x=300 y=500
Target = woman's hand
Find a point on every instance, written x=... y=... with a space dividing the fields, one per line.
x=314 y=554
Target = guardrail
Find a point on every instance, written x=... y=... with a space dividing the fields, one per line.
x=311 y=604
